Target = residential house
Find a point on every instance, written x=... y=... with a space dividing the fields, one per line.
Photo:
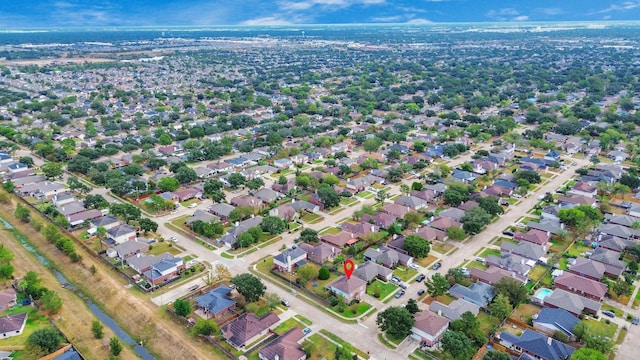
x=63 y=198
x=267 y=195
x=247 y=200
x=290 y=259
x=187 y=194
x=429 y=327
x=164 y=270
x=285 y=212
x=613 y=266
x=455 y=309
x=82 y=217
x=412 y=202
x=370 y=271
x=587 y=268
x=614 y=243
x=283 y=164
x=463 y=176
x=121 y=233
x=583 y=188
x=426 y=194
x=580 y=285
x=7 y=299
x=552 y=155
x=576 y=200
x=634 y=210
x=348 y=288
x=536 y=344
x=130 y=248
x=553 y=227
x=247 y=328
x=624 y=220
x=466 y=206
x=201 y=215
x=221 y=167
x=443 y=223
x=320 y=253
x=382 y=220
x=452 y=213
x=511 y=262
x=108 y=222
x=438 y=188
x=142 y=262
x=525 y=249
x=360 y=230
x=550 y=213
x=302 y=205
x=216 y=303
x=222 y=210
x=482 y=166
x=12 y=325
x=573 y=303
x=478 y=293
x=617 y=156
x=620 y=231
x=496 y=191
x=550 y=320
x=534 y=236
x=494 y=274
x=340 y=239
x=387 y=257
x=431 y=234
x=230 y=239
x=285 y=347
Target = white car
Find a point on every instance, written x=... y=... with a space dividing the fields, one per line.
x=191 y=206
x=174 y=239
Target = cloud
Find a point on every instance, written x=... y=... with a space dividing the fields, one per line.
x=328 y=4
x=506 y=14
x=72 y=14
x=419 y=21
x=620 y=7
x=520 y=18
x=267 y=20
x=388 y=19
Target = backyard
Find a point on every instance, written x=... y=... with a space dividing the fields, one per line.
x=379 y=289
x=35 y=321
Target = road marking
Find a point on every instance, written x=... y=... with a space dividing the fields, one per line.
x=363 y=325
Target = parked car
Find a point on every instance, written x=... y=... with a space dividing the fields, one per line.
x=399 y=294
x=285 y=302
x=516 y=196
x=507 y=232
x=191 y=206
x=402 y=285
x=635 y=321
x=421 y=291
x=437 y=266
x=174 y=239
x=609 y=313
x=414 y=266
x=395 y=279
x=306 y=331
x=420 y=278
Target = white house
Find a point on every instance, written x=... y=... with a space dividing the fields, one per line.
x=12 y=325
x=429 y=327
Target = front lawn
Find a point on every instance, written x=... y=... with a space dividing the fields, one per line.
x=442 y=248
x=379 y=289
x=351 y=311
x=405 y=274
x=312 y=218
x=329 y=230
x=601 y=327
x=488 y=252
x=287 y=325
x=365 y=195
x=426 y=261
x=158 y=248
x=322 y=348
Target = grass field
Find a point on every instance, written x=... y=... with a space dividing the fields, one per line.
x=158 y=248
x=35 y=321
x=405 y=274
x=601 y=328
x=380 y=288
x=287 y=325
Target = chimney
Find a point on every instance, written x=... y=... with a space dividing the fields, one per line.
x=549 y=340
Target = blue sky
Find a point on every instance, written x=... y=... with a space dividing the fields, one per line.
x=69 y=13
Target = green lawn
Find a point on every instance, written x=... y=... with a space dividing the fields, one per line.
x=380 y=288
x=287 y=325
x=312 y=218
x=35 y=321
x=349 y=201
x=351 y=311
x=304 y=320
x=322 y=348
x=442 y=248
x=488 y=252
x=337 y=339
x=158 y=248
x=329 y=230
x=405 y=274
x=365 y=195
x=600 y=327
x=537 y=272
x=487 y=322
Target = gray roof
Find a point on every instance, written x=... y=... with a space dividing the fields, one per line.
x=617 y=230
x=129 y=247
x=293 y=253
x=123 y=229
x=370 y=270
x=546 y=225
x=452 y=213
x=512 y=262
x=202 y=216
x=455 y=309
x=411 y=201
x=222 y=209
x=524 y=249
x=104 y=221
x=267 y=195
x=571 y=302
x=561 y=319
x=215 y=300
x=478 y=293
x=142 y=261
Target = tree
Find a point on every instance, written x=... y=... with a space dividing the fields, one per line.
x=513 y=289
x=182 y=307
x=205 y=327
x=27 y=160
x=255 y=183
x=273 y=225
x=496 y=355
x=412 y=306
x=236 y=179
x=115 y=346
x=52 y=170
x=531 y=176
x=95 y=202
x=416 y=246
x=329 y=197
x=437 y=285
x=8 y=186
x=272 y=300
x=630 y=180
x=282 y=180
x=48 y=339
x=324 y=273
x=305 y=273
x=587 y=354
x=381 y=196
x=245 y=239
x=372 y=144
x=500 y=307
x=148 y=225
x=412 y=218
x=396 y=322
x=6 y=271
x=458 y=344
x=456 y=233
x=22 y=213
x=6 y=256
x=249 y=286
x=97 y=329
x=456 y=195
x=51 y=302
x=474 y=220
x=309 y=235
x=168 y=184
x=490 y=205
x=222 y=272
x=621 y=287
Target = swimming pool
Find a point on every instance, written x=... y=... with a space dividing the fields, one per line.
x=543 y=293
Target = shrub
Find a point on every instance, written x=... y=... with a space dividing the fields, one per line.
x=324 y=273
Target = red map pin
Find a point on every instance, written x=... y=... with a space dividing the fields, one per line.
x=348 y=268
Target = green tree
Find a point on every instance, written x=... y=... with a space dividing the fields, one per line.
x=621 y=287
x=324 y=273
x=587 y=354
x=437 y=285
x=8 y=186
x=205 y=327
x=22 y=213
x=6 y=256
x=115 y=346
x=51 y=302
x=52 y=170
x=306 y=272
x=490 y=205
x=182 y=307
x=168 y=184
x=474 y=220
x=273 y=225
x=245 y=240
x=396 y=322
x=148 y=225
x=96 y=201
x=372 y=144
x=48 y=339
x=381 y=196
x=412 y=306
x=329 y=197
x=416 y=246
x=500 y=307
x=97 y=329
x=456 y=233
x=513 y=289
x=236 y=179
x=249 y=286
x=309 y=235
x=255 y=183
x=458 y=344
x=282 y=180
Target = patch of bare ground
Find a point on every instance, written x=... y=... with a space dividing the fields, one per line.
x=143 y=320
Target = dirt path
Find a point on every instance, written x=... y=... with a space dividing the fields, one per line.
x=142 y=319
x=74 y=318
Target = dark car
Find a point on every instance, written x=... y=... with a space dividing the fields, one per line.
x=635 y=321
x=508 y=232
x=609 y=313
x=421 y=291
x=399 y=294
x=437 y=266
x=420 y=278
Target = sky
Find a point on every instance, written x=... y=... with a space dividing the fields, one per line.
x=90 y=13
